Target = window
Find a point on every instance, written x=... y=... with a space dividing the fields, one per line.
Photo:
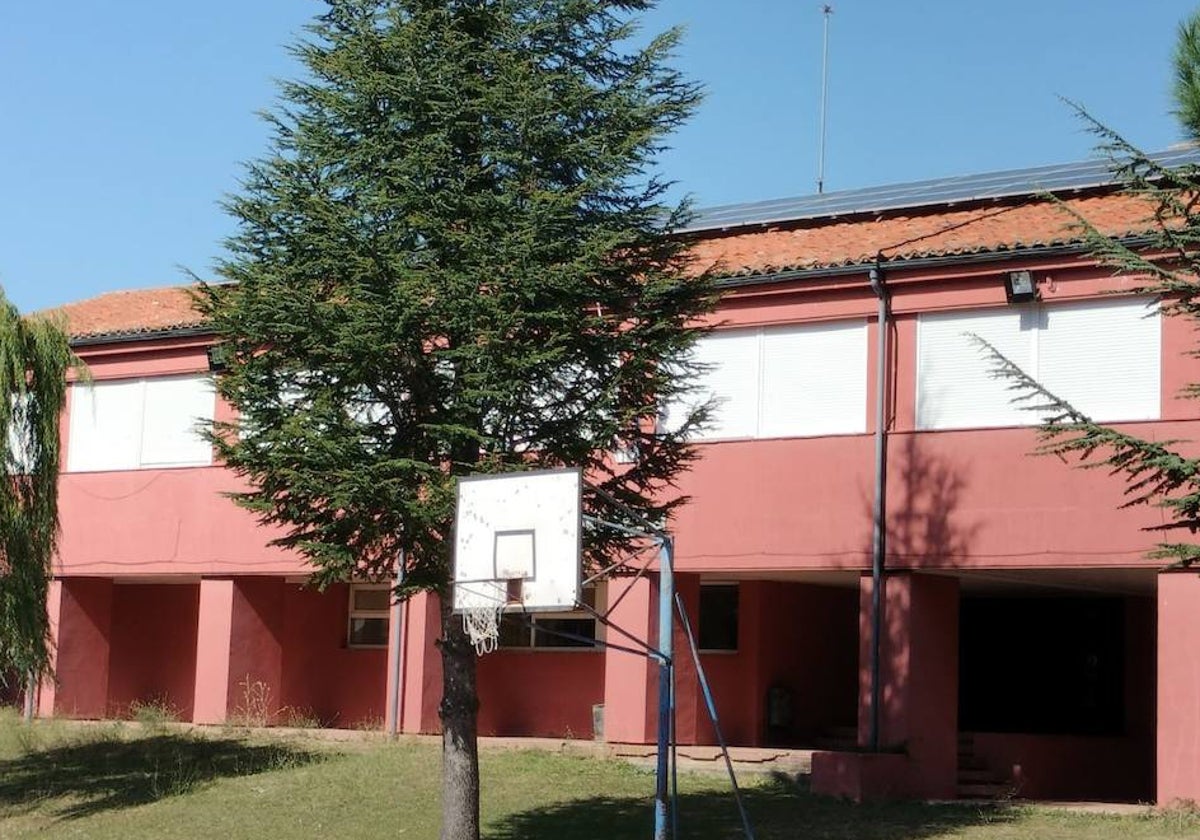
x=540 y=630
x=140 y=423
x=718 y=616
x=791 y=381
x=370 y=611
x=1102 y=356
x=20 y=455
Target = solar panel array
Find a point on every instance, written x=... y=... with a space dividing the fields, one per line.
x=937 y=191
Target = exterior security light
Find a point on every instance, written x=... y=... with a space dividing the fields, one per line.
x=216 y=360
x=1019 y=287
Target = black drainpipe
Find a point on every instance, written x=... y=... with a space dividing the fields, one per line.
x=879 y=512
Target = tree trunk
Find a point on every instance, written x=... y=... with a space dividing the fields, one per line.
x=460 y=752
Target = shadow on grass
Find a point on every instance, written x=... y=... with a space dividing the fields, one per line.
x=779 y=809
x=110 y=773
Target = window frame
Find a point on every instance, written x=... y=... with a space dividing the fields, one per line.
x=370 y=615
x=530 y=643
x=142 y=383
x=737 y=616
x=1039 y=313
x=761 y=334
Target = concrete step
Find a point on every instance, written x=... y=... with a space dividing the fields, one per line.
x=837 y=744
x=977 y=775
x=993 y=790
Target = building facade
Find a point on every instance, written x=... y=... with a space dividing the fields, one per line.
x=1027 y=640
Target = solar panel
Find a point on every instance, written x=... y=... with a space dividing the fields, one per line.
x=936 y=191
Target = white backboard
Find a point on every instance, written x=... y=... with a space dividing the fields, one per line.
x=518 y=527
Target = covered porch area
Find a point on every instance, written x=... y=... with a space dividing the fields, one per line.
x=1032 y=683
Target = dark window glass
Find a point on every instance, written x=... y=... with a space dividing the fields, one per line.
x=585 y=627
x=514 y=631
x=369 y=632
x=719 y=617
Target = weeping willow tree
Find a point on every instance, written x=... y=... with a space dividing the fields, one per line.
x=34 y=359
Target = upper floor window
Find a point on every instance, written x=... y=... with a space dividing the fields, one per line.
x=790 y=381
x=134 y=424
x=1102 y=356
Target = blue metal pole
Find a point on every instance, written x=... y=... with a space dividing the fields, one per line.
x=666 y=612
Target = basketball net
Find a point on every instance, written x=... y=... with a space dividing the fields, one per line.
x=482 y=624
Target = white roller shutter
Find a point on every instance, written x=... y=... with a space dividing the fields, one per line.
x=788 y=381
x=131 y=424
x=1104 y=357
x=105 y=426
x=814 y=380
x=174 y=407
x=731 y=360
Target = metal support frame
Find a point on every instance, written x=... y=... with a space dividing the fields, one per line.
x=666 y=694
x=666 y=788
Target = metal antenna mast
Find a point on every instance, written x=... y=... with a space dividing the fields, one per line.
x=827 y=11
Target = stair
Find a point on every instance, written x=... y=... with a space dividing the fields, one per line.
x=838 y=739
x=975 y=779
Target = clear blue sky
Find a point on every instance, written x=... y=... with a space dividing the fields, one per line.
x=123 y=123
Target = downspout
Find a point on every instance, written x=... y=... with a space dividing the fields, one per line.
x=879 y=509
x=396 y=641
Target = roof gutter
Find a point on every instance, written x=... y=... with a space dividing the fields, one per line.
x=900 y=263
x=141 y=335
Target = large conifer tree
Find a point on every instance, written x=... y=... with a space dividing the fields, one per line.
x=34 y=359
x=451 y=261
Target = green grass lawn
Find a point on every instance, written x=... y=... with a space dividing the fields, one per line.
x=122 y=781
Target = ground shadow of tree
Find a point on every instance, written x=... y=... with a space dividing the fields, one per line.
x=112 y=773
x=780 y=809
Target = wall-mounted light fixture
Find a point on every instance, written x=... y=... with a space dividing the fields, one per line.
x=1019 y=287
x=216 y=359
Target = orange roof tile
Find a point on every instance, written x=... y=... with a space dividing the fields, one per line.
x=816 y=243
x=821 y=243
x=130 y=312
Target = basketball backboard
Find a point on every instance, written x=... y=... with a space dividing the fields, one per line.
x=517 y=541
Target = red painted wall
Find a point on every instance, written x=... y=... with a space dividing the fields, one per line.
x=1178 y=739
x=153 y=647
x=171 y=521
x=801 y=637
x=540 y=692
x=81 y=617
x=321 y=676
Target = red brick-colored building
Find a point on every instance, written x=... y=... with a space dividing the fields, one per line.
x=1027 y=639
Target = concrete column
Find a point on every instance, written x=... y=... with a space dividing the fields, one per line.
x=918 y=677
x=80 y=621
x=422 y=665
x=1178 y=759
x=239 y=649
x=692 y=725
x=630 y=680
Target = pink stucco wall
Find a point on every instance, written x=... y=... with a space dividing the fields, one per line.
x=1178 y=688
x=80 y=611
x=540 y=692
x=802 y=638
x=153 y=647
x=918 y=697
x=321 y=676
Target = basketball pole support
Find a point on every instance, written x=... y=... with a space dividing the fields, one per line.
x=666 y=697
